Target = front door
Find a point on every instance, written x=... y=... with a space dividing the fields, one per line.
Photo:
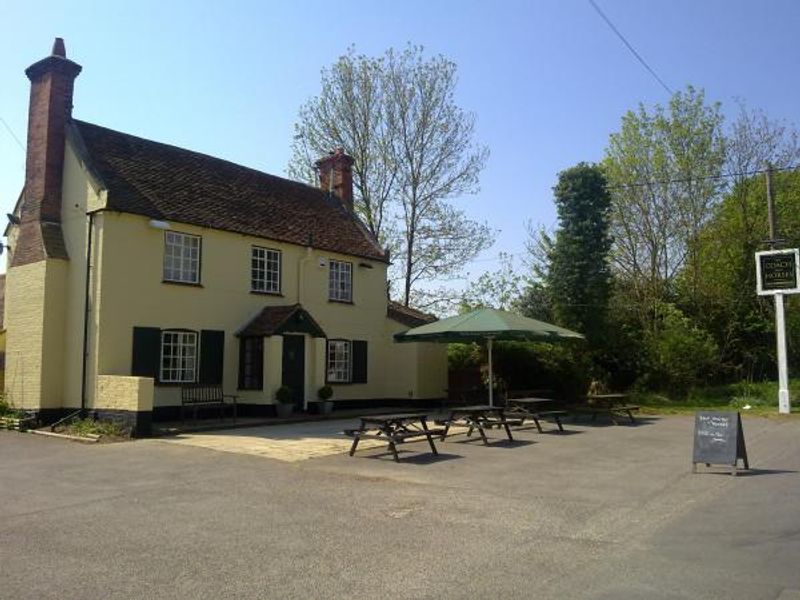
x=294 y=366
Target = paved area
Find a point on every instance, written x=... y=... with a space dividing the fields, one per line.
x=288 y=443
x=604 y=512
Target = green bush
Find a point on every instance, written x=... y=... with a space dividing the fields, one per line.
x=325 y=392
x=562 y=368
x=681 y=355
x=284 y=394
x=463 y=356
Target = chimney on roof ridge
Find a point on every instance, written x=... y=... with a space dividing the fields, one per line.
x=336 y=176
x=50 y=109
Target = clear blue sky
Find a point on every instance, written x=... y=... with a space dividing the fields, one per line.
x=548 y=80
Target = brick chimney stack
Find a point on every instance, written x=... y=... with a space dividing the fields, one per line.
x=336 y=176
x=50 y=109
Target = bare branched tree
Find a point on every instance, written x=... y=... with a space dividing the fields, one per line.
x=350 y=113
x=413 y=154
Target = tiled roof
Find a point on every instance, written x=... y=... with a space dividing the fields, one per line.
x=172 y=184
x=409 y=317
x=274 y=320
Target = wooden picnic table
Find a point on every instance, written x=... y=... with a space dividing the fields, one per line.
x=394 y=429
x=478 y=416
x=535 y=409
x=611 y=404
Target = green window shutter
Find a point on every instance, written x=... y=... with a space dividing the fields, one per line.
x=359 y=361
x=212 y=352
x=146 y=354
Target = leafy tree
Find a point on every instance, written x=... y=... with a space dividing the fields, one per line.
x=743 y=323
x=663 y=169
x=501 y=288
x=579 y=275
x=681 y=354
x=413 y=154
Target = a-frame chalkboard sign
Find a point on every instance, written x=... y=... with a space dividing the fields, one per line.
x=719 y=440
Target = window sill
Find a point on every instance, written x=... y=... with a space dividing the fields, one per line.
x=340 y=301
x=182 y=283
x=259 y=293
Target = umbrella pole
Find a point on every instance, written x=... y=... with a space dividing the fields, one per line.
x=491 y=374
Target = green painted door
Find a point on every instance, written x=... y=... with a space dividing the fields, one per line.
x=294 y=366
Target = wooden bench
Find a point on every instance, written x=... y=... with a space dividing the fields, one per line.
x=203 y=396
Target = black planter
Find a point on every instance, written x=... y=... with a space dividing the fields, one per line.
x=283 y=411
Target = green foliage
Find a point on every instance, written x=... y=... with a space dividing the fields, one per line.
x=579 y=277
x=498 y=289
x=563 y=369
x=536 y=302
x=726 y=302
x=8 y=410
x=678 y=151
x=758 y=395
x=681 y=355
x=463 y=356
x=325 y=392
x=284 y=394
x=83 y=427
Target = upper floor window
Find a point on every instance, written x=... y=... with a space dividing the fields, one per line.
x=181 y=257
x=265 y=270
x=178 y=356
x=340 y=281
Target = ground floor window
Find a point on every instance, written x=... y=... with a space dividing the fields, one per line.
x=347 y=361
x=340 y=365
x=178 y=356
x=251 y=363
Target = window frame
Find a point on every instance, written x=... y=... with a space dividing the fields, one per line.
x=349 y=361
x=253 y=250
x=332 y=297
x=257 y=375
x=182 y=259
x=162 y=370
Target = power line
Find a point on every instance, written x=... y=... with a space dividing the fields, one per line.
x=11 y=133
x=628 y=45
x=636 y=184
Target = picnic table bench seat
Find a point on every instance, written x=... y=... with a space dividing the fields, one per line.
x=394 y=429
x=203 y=395
x=612 y=410
x=556 y=415
x=528 y=408
x=399 y=437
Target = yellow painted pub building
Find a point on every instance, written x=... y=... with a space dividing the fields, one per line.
x=136 y=267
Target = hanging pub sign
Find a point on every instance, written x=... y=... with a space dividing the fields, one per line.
x=778 y=272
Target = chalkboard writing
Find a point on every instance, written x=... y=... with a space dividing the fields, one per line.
x=719 y=439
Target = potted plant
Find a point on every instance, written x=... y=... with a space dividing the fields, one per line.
x=285 y=403
x=325 y=404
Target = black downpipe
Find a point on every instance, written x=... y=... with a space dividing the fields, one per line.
x=86 y=312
